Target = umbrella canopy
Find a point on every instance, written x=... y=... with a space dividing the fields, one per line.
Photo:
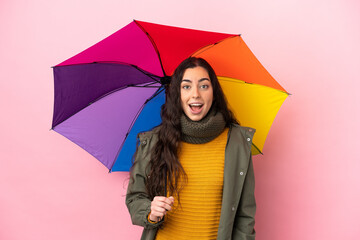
x=107 y=94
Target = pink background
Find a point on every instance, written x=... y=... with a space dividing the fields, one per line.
x=307 y=183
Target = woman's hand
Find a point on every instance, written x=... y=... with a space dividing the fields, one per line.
x=159 y=206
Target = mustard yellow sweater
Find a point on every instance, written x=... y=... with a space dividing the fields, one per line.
x=199 y=214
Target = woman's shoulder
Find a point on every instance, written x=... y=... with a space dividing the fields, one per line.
x=148 y=135
x=242 y=137
x=247 y=132
x=146 y=141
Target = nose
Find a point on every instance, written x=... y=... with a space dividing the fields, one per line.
x=195 y=93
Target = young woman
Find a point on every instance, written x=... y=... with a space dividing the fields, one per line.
x=193 y=175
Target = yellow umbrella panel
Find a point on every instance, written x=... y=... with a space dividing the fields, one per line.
x=254 y=106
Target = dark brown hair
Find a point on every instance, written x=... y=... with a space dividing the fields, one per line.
x=164 y=168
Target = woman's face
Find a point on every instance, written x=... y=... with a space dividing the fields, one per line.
x=196 y=93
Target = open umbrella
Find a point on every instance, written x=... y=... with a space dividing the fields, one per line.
x=107 y=94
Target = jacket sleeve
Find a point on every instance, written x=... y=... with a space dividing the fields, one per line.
x=245 y=215
x=137 y=199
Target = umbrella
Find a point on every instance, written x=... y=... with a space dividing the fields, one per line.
x=108 y=93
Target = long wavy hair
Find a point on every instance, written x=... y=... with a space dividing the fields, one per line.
x=164 y=169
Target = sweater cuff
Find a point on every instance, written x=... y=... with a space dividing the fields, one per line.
x=150 y=221
x=148 y=224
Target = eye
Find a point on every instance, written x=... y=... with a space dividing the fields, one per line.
x=204 y=86
x=185 y=87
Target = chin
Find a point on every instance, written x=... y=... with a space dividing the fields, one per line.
x=197 y=118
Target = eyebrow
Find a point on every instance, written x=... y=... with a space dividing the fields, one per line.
x=202 y=79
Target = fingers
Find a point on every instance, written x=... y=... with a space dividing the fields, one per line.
x=163 y=202
x=159 y=206
x=170 y=202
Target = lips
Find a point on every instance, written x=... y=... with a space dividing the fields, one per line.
x=196 y=107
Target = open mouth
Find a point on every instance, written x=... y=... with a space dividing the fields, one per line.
x=196 y=107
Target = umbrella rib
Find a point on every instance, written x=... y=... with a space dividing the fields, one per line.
x=133 y=122
x=121 y=88
x=205 y=48
x=257 y=149
x=148 y=85
x=155 y=94
x=152 y=76
x=154 y=45
x=231 y=79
